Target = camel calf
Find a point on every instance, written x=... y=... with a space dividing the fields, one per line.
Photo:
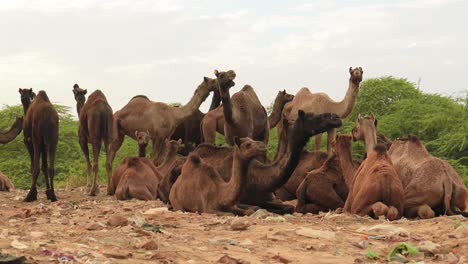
x=5 y=184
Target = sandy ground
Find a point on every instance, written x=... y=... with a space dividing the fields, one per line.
x=100 y=229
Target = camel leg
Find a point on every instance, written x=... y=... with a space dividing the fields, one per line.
x=95 y=187
x=158 y=151
x=106 y=146
x=318 y=142
x=330 y=141
x=422 y=211
x=84 y=147
x=277 y=207
x=52 y=149
x=208 y=127
x=32 y=194
x=309 y=208
x=44 y=167
x=113 y=147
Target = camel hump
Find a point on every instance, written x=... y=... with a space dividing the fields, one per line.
x=247 y=87
x=42 y=96
x=380 y=149
x=133 y=162
x=414 y=139
x=140 y=96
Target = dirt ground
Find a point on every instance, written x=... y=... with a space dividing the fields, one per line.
x=100 y=229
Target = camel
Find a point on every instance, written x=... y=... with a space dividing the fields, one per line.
x=326 y=188
x=201 y=189
x=170 y=169
x=13 y=132
x=214 y=120
x=5 y=184
x=158 y=118
x=265 y=177
x=189 y=132
x=376 y=189
x=321 y=103
x=27 y=95
x=95 y=127
x=40 y=130
x=431 y=185
x=244 y=115
x=137 y=177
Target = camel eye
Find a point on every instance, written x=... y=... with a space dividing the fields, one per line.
x=248 y=145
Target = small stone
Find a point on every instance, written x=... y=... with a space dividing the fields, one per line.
x=18 y=245
x=428 y=246
x=363 y=244
x=222 y=240
x=239 y=225
x=312 y=233
x=155 y=211
x=117 y=255
x=94 y=226
x=230 y=260
x=149 y=245
x=34 y=234
x=246 y=242
x=260 y=214
x=297 y=214
x=451 y=258
x=386 y=229
x=460 y=232
x=278 y=219
x=117 y=220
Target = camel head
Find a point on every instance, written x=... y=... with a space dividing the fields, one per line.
x=79 y=93
x=342 y=142
x=249 y=148
x=356 y=75
x=173 y=145
x=283 y=97
x=406 y=145
x=309 y=124
x=225 y=81
x=27 y=94
x=142 y=138
x=363 y=125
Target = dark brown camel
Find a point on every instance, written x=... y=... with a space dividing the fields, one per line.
x=14 y=131
x=170 y=169
x=40 y=130
x=264 y=178
x=95 y=128
x=158 y=118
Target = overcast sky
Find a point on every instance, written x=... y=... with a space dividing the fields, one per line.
x=163 y=48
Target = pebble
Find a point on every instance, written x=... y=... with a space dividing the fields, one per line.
x=312 y=233
x=117 y=220
x=239 y=225
x=428 y=246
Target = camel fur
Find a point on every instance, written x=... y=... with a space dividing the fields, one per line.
x=431 y=186
x=40 y=130
x=376 y=189
x=13 y=132
x=201 y=189
x=5 y=184
x=95 y=128
x=321 y=103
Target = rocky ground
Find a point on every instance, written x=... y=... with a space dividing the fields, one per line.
x=100 y=229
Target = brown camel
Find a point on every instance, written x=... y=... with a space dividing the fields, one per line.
x=264 y=178
x=5 y=184
x=27 y=95
x=201 y=189
x=326 y=188
x=95 y=128
x=170 y=169
x=137 y=177
x=376 y=188
x=40 y=130
x=431 y=185
x=244 y=115
x=189 y=132
x=214 y=120
x=14 y=131
x=321 y=103
x=158 y=118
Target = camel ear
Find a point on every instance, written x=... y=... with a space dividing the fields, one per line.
x=350 y=69
x=76 y=86
x=205 y=79
x=284 y=91
x=216 y=73
x=136 y=133
x=30 y=89
x=19 y=90
x=237 y=141
x=301 y=114
x=179 y=141
x=85 y=91
x=195 y=159
x=375 y=122
x=285 y=123
x=360 y=68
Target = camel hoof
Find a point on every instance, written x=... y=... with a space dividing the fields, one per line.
x=94 y=191
x=110 y=191
x=32 y=196
x=51 y=195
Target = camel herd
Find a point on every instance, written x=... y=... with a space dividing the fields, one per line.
x=395 y=179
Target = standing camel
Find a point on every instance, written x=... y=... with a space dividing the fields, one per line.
x=319 y=103
x=14 y=131
x=159 y=119
x=40 y=130
x=95 y=116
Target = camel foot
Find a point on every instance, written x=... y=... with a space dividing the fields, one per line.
x=425 y=212
x=88 y=188
x=94 y=191
x=51 y=195
x=379 y=209
x=392 y=213
x=32 y=196
x=110 y=190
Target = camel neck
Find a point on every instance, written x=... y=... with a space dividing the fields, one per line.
x=345 y=161
x=26 y=103
x=370 y=139
x=227 y=107
x=231 y=190
x=200 y=95
x=215 y=102
x=142 y=150
x=281 y=148
x=170 y=157
x=275 y=114
x=346 y=106
x=79 y=105
x=12 y=133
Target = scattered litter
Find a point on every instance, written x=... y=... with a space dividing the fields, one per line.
x=6 y=258
x=404 y=249
x=156 y=210
x=18 y=245
x=152 y=228
x=222 y=240
x=59 y=256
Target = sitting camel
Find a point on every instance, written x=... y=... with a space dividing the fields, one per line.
x=244 y=115
x=376 y=188
x=170 y=169
x=95 y=127
x=264 y=178
x=327 y=188
x=158 y=118
x=214 y=120
x=321 y=103
x=137 y=177
x=430 y=184
x=10 y=135
x=5 y=184
x=40 y=130
x=201 y=189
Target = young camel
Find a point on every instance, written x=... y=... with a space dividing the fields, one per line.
x=5 y=184
x=95 y=127
x=264 y=178
x=326 y=188
x=201 y=189
x=158 y=118
x=137 y=177
x=13 y=132
x=431 y=185
x=40 y=130
x=170 y=169
x=321 y=103
x=376 y=188
x=214 y=120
